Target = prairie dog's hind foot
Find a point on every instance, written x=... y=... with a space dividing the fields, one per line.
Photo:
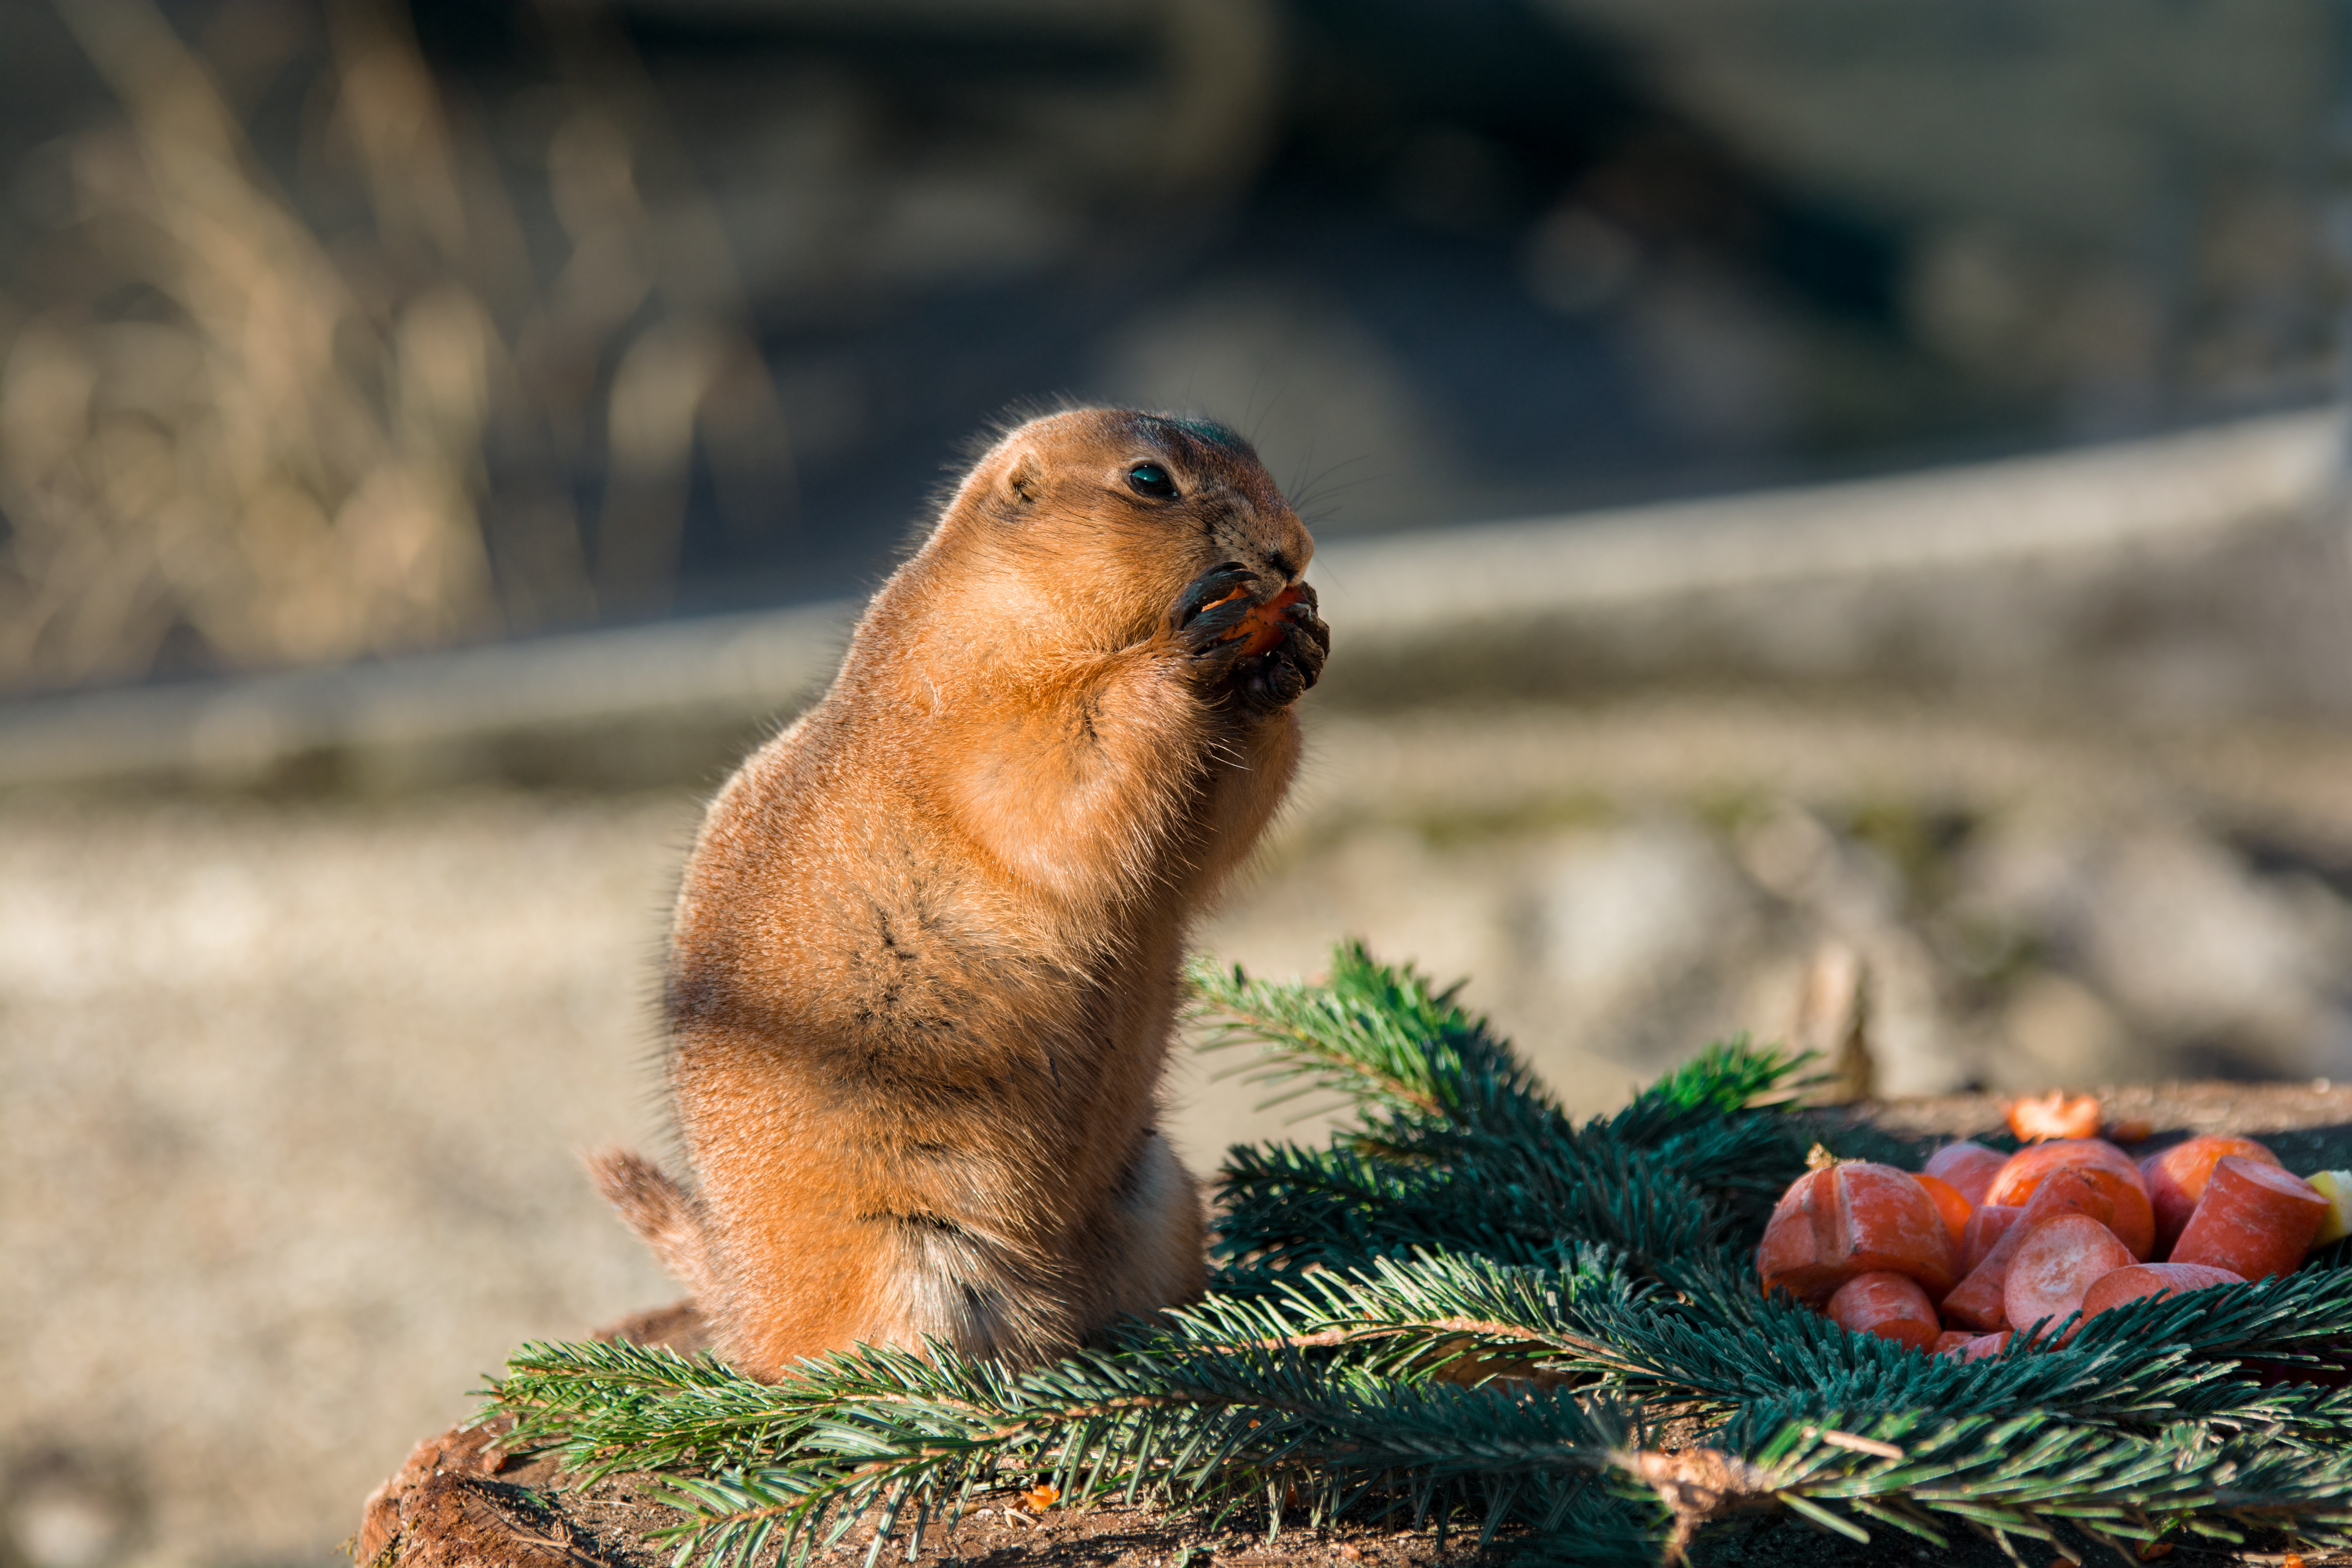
x=1158 y=1255
x=976 y=1293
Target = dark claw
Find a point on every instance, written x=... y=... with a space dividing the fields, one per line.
x=1280 y=676
x=1211 y=627
x=1217 y=582
x=1301 y=614
x=1277 y=682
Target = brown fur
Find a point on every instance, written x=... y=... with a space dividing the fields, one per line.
x=926 y=961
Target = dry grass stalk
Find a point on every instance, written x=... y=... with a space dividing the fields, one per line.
x=218 y=430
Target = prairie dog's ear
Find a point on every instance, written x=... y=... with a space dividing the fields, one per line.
x=1022 y=479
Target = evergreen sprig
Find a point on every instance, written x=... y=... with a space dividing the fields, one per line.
x=1468 y=1304
x=1380 y=1038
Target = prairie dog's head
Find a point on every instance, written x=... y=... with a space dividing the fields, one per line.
x=1113 y=511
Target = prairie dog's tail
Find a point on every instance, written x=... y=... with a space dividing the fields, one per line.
x=661 y=1212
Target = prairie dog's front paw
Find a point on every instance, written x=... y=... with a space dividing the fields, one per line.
x=1263 y=652
x=1204 y=624
x=1300 y=642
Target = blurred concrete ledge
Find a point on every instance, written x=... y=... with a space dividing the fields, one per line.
x=642 y=705
x=2193 y=575
x=2198 y=576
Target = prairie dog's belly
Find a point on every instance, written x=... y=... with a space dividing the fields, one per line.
x=930 y=1034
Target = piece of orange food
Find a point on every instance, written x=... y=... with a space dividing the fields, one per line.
x=2058 y=1262
x=1967 y=1346
x=1849 y=1218
x=2142 y=1280
x=2056 y=1115
x=2022 y=1171
x=1970 y=1167
x=2255 y=1220
x=1262 y=624
x=1987 y=1225
x=2176 y=1178
x=1980 y=1300
x=1887 y=1304
x=1954 y=1208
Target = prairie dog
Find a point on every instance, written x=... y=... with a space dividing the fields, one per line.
x=925 y=963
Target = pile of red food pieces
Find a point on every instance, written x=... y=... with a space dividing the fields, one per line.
x=1981 y=1244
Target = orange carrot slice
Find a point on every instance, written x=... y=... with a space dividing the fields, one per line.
x=1974 y=1347
x=1887 y=1304
x=2126 y=1211
x=2023 y=1171
x=1987 y=1225
x=1954 y=1208
x=1969 y=1167
x=1264 y=622
x=2142 y=1280
x=1980 y=1300
x=1849 y=1218
x=2058 y=1262
x=2255 y=1220
x=2176 y=1179
x=2056 y=1115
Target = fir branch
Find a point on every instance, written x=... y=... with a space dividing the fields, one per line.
x=1187 y=1426
x=1382 y=1037
x=611 y=1406
x=1724 y=1079
x=2015 y=1475
x=1433 y=1315
x=1470 y=1303
x=1338 y=1207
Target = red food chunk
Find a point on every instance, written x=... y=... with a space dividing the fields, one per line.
x=2056 y=1115
x=1987 y=1225
x=1970 y=1167
x=2176 y=1178
x=1954 y=1208
x=2142 y=1280
x=2121 y=1205
x=1887 y=1304
x=2255 y=1220
x=1980 y=1300
x=1263 y=624
x=1975 y=1347
x=1849 y=1218
x=2057 y=1264
x=2023 y=1171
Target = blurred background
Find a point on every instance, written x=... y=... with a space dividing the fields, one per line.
x=1832 y=517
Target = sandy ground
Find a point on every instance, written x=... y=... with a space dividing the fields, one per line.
x=292 y=1094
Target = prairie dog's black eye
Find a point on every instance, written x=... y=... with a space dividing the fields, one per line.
x=1151 y=479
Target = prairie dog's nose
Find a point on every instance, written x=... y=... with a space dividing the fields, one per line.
x=1266 y=535
x=1292 y=548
